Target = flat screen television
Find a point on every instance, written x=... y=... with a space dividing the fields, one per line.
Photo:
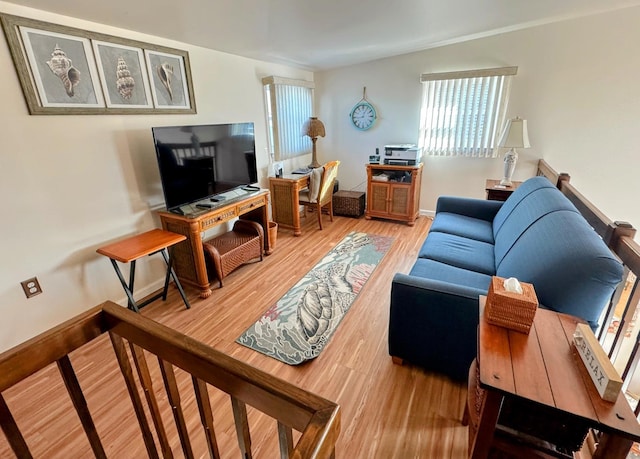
x=199 y=162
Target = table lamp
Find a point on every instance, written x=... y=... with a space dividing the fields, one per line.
x=314 y=128
x=515 y=135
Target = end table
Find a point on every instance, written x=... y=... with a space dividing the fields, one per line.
x=497 y=192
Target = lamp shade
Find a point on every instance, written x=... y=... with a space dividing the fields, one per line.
x=313 y=127
x=515 y=134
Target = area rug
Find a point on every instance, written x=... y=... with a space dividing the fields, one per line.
x=300 y=324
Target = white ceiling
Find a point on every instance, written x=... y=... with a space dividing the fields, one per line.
x=323 y=34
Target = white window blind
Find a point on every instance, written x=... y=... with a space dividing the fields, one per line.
x=289 y=104
x=463 y=112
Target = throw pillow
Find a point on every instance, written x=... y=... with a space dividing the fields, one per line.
x=314 y=183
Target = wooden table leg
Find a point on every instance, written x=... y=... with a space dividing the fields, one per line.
x=612 y=447
x=486 y=425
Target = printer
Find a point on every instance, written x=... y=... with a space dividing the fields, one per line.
x=406 y=154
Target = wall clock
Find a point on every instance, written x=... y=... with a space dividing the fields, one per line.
x=363 y=114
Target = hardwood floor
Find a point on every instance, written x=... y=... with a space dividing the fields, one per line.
x=388 y=411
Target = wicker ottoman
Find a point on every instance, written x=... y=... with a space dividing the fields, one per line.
x=225 y=253
x=348 y=203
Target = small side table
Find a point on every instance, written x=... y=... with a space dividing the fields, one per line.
x=497 y=192
x=544 y=370
x=130 y=249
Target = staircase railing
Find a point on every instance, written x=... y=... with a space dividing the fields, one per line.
x=317 y=419
x=618 y=333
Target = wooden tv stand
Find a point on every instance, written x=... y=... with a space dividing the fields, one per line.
x=188 y=256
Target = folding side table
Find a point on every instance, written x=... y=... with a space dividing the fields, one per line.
x=135 y=247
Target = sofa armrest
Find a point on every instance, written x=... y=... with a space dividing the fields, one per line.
x=476 y=208
x=434 y=324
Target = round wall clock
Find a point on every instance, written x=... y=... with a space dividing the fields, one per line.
x=363 y=114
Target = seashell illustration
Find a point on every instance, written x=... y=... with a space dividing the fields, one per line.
x=315 y=310
x=125 y=82
x=165 y=72
x=63 y=68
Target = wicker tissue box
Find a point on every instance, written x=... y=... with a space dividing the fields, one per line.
x=348 y=203
x=511 y=309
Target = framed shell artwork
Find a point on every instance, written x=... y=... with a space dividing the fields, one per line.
x=63 y=70
x=123 y=75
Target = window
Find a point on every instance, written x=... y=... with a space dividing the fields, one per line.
x=462 y=112
x=289 y=104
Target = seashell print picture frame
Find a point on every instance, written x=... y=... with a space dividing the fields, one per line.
x=123 y=75
x=63 y=70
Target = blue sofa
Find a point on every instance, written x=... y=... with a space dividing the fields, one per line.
x=537 y=235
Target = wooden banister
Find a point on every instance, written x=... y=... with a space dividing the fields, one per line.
x=316 y=418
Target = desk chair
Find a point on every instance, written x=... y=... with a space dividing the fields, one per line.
x=319 y=195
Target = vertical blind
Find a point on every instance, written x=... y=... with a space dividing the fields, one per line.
x=289 y=104
x=462 y=112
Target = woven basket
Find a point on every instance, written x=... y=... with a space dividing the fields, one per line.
x=510 y=309
x=348 y=203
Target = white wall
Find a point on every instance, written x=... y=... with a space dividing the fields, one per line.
x=70 y=184
x=577 y=85
x=73 y=183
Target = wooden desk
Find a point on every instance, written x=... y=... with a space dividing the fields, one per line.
x=190 y=263
x=544 y=367
x=133 y=248
x=497 y=192
x=285 y=192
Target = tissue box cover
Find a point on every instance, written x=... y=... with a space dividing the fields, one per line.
x=511 y=309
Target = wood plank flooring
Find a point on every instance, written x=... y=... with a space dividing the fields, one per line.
x=388 y=411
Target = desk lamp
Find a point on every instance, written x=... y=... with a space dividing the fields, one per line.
x=313 y=127
x=515 y=135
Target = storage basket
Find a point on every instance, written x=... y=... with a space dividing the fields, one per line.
x=348 y=203
x=511 y=309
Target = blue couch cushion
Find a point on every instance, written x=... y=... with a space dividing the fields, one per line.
x=525 y=189
x=573 y=271
x=530 y=209
x=435 y=270
x=460 y=252
x=462 y=225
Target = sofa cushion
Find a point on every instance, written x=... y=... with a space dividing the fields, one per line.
x=459 y=251
x=569 y=265
x=435 y=270
x=525 y=189
x=462 y=225
x=529 y=210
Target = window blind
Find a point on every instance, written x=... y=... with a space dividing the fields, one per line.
x=289 y=104
x=462 y=112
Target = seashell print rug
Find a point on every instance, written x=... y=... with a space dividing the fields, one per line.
x=300 y=324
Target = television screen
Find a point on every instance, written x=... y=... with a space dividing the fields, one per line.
x=197 y=162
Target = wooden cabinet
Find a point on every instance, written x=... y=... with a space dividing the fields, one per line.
x=393 y=192
x=188 y=256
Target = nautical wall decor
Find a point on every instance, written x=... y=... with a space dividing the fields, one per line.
x=63 y=70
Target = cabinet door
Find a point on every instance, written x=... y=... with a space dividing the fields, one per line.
x=378 y=198
x=400 y=199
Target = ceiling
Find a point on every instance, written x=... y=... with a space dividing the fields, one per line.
x=319 y=35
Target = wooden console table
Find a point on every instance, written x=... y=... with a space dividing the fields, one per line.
x=544 y=367
x=189 y=261
x=285 y=192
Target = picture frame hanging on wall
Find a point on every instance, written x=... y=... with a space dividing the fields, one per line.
x=123 y=75
x=168 y=79
x=63 y=70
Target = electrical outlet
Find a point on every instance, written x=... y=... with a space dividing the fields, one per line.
x=31 y=287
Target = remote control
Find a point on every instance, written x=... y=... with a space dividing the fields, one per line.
x=204 y=206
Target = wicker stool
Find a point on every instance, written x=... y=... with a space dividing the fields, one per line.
x=228 y=251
